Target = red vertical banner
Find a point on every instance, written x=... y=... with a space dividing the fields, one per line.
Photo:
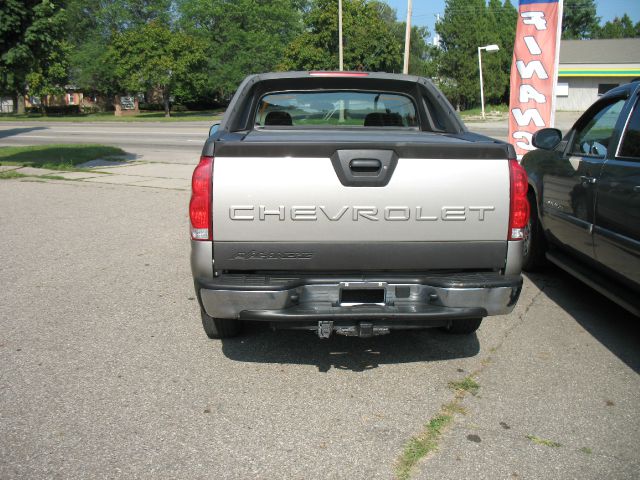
x=534 y=71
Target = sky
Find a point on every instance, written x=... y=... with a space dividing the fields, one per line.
x=425 y=11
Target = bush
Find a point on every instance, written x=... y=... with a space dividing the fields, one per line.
x=154 y=107
x=207 y=104
x=90 y=109
x=62 y=110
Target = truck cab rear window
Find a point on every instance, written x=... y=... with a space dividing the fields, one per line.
x=336 y=109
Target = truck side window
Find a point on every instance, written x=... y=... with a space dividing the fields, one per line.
x=630 y=146
x=593 y=138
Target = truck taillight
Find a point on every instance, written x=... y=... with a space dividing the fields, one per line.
x=200 y=204
x=519 y=205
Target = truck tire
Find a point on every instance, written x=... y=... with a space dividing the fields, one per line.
x=219 y=327
x=464 y=326
x=534 y=245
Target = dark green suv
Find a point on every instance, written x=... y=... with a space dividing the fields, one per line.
x=584 y=191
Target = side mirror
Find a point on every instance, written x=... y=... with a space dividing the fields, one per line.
x=547 y=138
x=214 y=129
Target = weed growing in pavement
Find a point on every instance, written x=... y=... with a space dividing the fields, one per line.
x=467 y=384
x=420 y=445
x=454 y=407
x=544 y=442
x=427 y=441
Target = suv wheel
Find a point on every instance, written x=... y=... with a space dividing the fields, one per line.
x=533 y=244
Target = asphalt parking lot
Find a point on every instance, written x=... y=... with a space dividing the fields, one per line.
x=105 y=371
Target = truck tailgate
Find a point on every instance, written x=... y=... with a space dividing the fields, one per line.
x=426 y=207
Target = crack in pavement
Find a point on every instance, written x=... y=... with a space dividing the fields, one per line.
x=450 y=407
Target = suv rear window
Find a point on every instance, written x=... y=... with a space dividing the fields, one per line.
x=336 y=109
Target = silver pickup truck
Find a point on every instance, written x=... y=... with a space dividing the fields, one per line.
x=353 y=203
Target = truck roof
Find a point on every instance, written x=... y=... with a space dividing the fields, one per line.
x=335 y=74
x=253 y=86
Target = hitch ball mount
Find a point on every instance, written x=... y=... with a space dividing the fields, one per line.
x=362 y=330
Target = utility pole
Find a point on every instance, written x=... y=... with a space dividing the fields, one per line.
x=340 y=34
x=407 y=38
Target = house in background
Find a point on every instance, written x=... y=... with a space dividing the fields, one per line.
x=6 y=104
x=71 y=97
x=590 y=68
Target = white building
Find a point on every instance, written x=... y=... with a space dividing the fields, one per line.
x=590 y=68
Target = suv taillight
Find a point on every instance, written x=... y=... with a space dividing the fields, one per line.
x=200 y=204
x=519 y=205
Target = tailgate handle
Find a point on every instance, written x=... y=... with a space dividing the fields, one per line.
x=365 y=165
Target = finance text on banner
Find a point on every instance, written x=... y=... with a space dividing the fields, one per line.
x=534 y=71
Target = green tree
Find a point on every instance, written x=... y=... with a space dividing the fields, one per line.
x=242 y=36
x=579 y=19
x=32 y=48
x=464 y=27
x=91 y=26
x=370 y=42
x=501 y=19
x=152 y=56
x=508 y=22
x=51 y=75
x=618 y=28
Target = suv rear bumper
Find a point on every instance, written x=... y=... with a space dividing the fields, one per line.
x=428 y=300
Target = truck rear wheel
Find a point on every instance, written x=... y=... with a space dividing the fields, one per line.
x=534 y=246
x=219 y=327
x=463 y=326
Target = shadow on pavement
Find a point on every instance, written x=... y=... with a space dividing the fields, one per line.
x=118 y=161
x=17 y=131
x=259 y=344
x=610 y=324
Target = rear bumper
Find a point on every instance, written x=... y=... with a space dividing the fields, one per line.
x=424 y=300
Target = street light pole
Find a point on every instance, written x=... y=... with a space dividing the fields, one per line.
x=340 y=54
x=407 y=39
x=488 y=48
x=481 y=85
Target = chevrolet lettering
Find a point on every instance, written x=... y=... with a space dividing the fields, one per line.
x=353 y=203
x=390 y=214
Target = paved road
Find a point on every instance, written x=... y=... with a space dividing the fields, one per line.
x=176 y=142
x=105 y=371
x=499 y=128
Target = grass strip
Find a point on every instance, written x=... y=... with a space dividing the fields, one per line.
x=10 y=174
x=489 y=110
x=56 y=157
x=110 y=117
